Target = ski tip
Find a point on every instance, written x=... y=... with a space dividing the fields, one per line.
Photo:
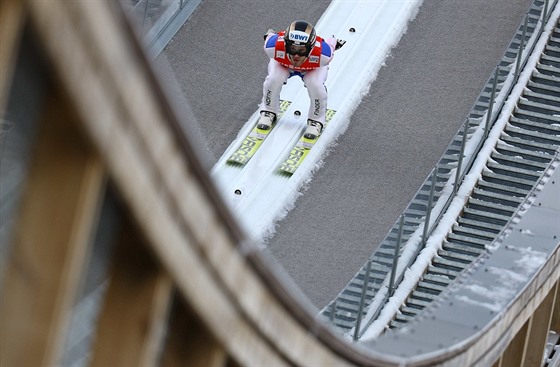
x=236 y=161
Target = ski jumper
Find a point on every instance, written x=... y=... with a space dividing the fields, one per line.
x=313 y=72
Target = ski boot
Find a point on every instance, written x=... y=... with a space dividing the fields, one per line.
x=267 y=120
x=314 y=129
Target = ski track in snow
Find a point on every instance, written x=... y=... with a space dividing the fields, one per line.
x=266 y=196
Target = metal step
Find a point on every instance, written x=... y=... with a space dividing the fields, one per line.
x=536 y=136
x=552 y=129
x=527 y=154
x=437 y=279
x=459 y=259
x=519 y=162
x=431 y=287
x=525 y=104
x=478 y=233
x=467 y=241
x=496 y=197
x=441 y=270
x=544 y=88
x=534 y=94
x=501 y=188
x=479 y=225
x=513 y=172
x=523 y=143
x=477 y=214
x=508 y=180
x=448 y=264
x=463 y=249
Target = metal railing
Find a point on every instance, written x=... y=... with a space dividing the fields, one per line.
x=159 y=20
x=494 y=107
x=501 y=83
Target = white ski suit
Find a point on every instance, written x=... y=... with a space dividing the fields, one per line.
x=313 y=72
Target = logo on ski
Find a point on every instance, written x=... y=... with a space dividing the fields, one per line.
x=300 y=151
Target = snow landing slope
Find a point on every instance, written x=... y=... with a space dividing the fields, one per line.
x=256 y=192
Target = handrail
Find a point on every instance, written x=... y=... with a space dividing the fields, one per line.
x=161 y=29
x=496 y=102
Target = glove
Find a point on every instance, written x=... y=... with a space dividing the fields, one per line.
x=339 y=44
x=270 y=30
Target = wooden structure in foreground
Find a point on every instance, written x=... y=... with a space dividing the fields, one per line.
x=185 y=288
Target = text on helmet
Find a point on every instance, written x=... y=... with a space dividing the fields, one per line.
x=298 y=36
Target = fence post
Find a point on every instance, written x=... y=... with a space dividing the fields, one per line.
x=544 y=15
x=521 y=47
x=396 y=257
x=491 y=103
x=461 y=154
x=333 y=311
x=429 y=210
x=144 y=18
x=362 y=301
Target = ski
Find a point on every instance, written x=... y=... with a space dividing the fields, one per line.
x=254 y=139
x=302 y=148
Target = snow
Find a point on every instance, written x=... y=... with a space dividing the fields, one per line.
x=495 y=296
x=267 y=197
x=499 y=293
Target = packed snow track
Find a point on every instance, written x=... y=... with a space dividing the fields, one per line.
x=257 y=193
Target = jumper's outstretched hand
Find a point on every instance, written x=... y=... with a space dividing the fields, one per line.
x=270 y=30
x=339 y=44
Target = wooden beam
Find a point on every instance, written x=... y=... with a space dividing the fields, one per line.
x=59 y=209
x=498 y=363
x=538 y=334
x=190 y=343
x=555 y=323
x=135 y=310
x=513 y=354
x=12 y=17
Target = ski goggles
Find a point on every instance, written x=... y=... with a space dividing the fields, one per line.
x=300 y=50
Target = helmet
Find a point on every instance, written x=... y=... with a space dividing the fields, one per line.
x=299 y=38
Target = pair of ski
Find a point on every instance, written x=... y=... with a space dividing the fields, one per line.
x=256 y=137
